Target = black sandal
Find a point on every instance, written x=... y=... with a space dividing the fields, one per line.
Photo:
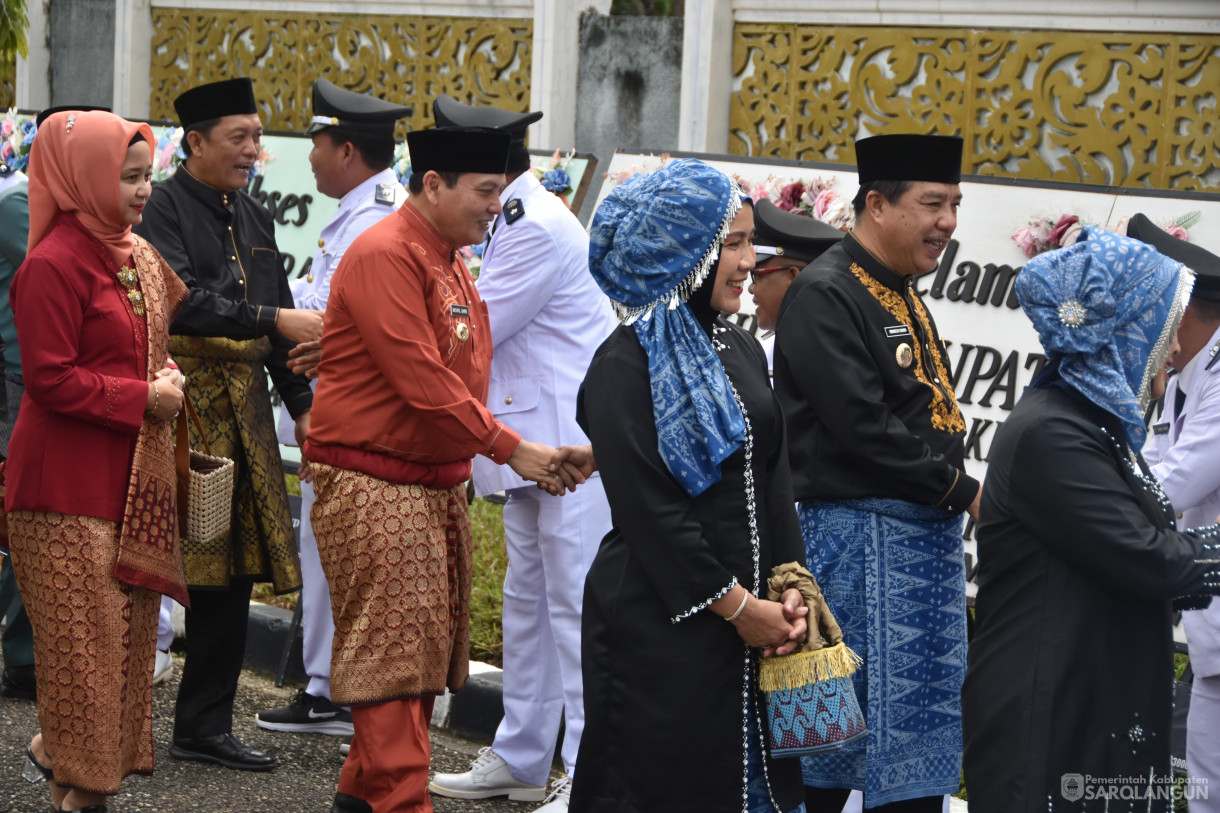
x=34 y=771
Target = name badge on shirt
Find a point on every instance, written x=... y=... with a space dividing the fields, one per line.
x=1160 y=429
x=894 y=331
x=460 y=311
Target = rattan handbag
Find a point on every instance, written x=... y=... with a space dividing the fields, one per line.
x=205 y=486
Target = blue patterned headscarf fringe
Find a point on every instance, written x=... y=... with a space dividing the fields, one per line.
x=653 y=241
x=1108 y=308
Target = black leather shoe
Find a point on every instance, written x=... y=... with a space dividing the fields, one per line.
x=18 y=681
x=222 y=749
x=346 y=803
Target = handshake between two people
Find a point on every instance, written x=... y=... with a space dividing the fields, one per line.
x=556 y=471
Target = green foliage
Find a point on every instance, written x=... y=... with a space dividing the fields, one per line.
x=1180 y=661
x=487 y=590
x=14 y=20
x=648 y=8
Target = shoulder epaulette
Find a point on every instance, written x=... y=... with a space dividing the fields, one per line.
x=514 y=210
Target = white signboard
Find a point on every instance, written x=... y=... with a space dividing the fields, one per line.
x=993 y=349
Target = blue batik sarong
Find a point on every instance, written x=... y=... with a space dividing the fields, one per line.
x=893 y=574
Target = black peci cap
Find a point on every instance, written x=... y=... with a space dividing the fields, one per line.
x=1198 y=259
x=335 y=107
x=909 y=157
x=458 y=149
x=449 y=112
x=788 y=235
x=229 y=97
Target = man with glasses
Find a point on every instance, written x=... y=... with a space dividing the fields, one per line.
x=784 y=243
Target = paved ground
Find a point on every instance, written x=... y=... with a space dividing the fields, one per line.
x=303 y=783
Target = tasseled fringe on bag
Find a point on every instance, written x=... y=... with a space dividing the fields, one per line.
x=802 y=668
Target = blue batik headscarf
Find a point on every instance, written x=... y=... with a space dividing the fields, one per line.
x=1107 y=308
x=653 y=241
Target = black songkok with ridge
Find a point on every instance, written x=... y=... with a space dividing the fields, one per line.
x=458 y=149
x=229 y=97
x=909 y=157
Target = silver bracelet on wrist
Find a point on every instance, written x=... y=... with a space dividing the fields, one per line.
x=734 y=616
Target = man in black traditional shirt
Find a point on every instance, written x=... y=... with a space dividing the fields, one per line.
x=875 y=439
x=237 y=321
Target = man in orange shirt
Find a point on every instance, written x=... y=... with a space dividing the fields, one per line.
x=398 y=415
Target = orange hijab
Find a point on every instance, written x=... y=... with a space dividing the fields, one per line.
x=75 y=164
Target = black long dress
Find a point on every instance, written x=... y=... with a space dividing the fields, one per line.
x=1071 y=668
x=664 y=678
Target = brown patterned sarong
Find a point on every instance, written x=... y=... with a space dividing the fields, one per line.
x=398 y=560
x=95 y=639
x=226 y=382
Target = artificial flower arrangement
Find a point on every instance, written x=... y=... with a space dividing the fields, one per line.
x=16 y=136
x=168 y=155
x=1046 y=234
x=651 y=164
x=473 y=257
x=402 y=162
x=817 y=198
x=553 y=174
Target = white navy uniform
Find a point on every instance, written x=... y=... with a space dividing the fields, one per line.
x=547 y=319
x=1184 y=453
x=360 y=208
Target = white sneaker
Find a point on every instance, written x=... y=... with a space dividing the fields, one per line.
x=561 y=793
x=488 y=776
x=163 y=667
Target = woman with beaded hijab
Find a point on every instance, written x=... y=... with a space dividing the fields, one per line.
x=690 y=443
x=1070 y=677
x=90 y=480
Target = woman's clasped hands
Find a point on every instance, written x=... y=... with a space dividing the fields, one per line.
x=165 y=394
x=778 y=627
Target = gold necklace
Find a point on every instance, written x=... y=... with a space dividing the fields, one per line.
x=131 y=281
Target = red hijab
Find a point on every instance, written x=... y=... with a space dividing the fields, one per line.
x=75 y=164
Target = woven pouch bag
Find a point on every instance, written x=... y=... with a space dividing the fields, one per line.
x=205 y=486
x=811 y=703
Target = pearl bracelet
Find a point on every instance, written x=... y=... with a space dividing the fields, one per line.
x=156 y=398
x=733 y=617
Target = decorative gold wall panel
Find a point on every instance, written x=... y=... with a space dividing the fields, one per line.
x=8 y=86
x=404 y=59
x=1120 y=109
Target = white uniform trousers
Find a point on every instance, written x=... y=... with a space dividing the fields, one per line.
x=317 y=622
x=165 y=624
x=551 y=544
x=1203 y=745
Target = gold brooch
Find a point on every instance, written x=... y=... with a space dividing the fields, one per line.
x=463 y=332
x=131 y=281
x=904 y=355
